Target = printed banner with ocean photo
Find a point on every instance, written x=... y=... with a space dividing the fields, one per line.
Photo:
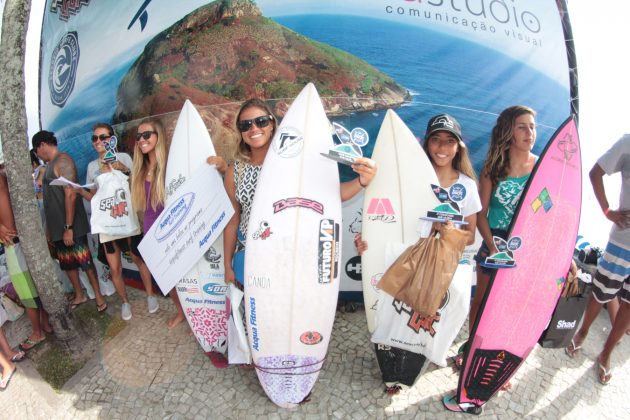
x=119 y=62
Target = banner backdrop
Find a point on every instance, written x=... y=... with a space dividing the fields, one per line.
x=121 y=61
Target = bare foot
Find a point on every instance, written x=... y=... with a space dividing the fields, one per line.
x=506 y=386
x=173 y=322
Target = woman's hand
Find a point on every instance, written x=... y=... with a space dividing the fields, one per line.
x=229 y=276
x=219 y=162
x=360 y=244
x=6 y=235
x=366 y=168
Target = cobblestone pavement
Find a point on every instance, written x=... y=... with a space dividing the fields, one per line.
x=148 y=371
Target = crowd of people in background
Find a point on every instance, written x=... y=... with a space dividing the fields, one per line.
x=489 y=208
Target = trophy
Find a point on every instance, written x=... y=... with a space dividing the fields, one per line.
x=350 y=144
x=110 y=149
x=504 y=258
x=448 y=209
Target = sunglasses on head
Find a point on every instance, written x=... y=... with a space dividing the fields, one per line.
x=145 y=135
x=101 y=137
x=260 y=122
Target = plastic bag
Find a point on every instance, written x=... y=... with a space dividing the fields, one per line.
x=422 y=274
x=12 y=309
x=238 y=348
x=112 y=212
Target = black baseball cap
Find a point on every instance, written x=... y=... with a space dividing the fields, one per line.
x=444 y=122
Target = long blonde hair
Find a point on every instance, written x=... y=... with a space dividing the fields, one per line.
x=497 y=162
x=242 y=150
x=141 y=168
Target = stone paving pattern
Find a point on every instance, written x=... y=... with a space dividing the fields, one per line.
x=148 y=371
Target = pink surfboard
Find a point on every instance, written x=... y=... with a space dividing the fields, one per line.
x=520 y=301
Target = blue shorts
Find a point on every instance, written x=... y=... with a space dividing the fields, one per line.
x=484 y=251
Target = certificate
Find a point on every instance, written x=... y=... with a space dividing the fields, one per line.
x=191 y=221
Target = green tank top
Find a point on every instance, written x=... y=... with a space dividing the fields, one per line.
x=503 y=202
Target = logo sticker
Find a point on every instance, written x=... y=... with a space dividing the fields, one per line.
x=543 y=200
x=310 y=338
x=263 y=232
x=215 y=289
x=328 y=251
x=567 y=146
x=212 y=256
x=381 y=209
x=286 y=203
x=261 y=282
x=288 y=142
x=63 y=69
x=353 y=268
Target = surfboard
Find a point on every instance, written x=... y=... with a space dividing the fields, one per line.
x=399 y=194
x=202 y=290
x=292 y=275
x=520 y=301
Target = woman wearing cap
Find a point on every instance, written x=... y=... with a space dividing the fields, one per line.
x=448 y=155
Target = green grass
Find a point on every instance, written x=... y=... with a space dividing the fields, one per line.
x=57 y=365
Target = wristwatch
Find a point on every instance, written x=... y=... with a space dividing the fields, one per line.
x=67 y=227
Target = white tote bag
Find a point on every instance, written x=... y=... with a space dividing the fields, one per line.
x=400 y=326
x=112 y=212
x=238 y=348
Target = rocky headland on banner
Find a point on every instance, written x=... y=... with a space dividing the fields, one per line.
x=227 y=51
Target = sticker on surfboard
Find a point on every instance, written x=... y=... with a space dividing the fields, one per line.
x=448 y=209
x=505 y=257
x=350 y=146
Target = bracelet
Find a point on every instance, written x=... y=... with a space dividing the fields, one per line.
x=607 y=211
x=362 y=186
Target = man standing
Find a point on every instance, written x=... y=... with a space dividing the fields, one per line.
x=66 y=222
x=612 y=279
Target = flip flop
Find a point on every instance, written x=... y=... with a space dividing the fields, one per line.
x=572 y=350
x=29 y=344
x=102 y=307
x=218 y=360
x=18 y=357
x=75 y=305
x=603 y=376
x=450 y=403
x=393 y=390
x=4 y=383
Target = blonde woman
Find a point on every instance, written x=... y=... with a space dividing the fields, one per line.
x=148 y=183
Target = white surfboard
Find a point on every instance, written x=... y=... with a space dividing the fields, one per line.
x=397 y=197
x=202 y=290
x=292 y=275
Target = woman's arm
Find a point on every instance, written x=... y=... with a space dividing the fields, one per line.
x=366 y=168
x=229 y=234
x=485 y=194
